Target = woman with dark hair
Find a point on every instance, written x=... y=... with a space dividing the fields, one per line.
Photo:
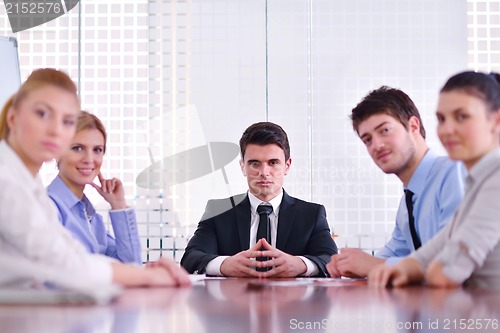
x=467 y=251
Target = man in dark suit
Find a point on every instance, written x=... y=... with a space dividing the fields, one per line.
x=226 y=242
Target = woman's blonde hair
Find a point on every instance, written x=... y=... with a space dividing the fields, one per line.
x=38 y=79
x=87 y=120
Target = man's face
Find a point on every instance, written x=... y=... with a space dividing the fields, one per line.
x=388 y=142
x=265 y=168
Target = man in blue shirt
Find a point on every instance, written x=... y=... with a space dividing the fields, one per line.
x=389 y=124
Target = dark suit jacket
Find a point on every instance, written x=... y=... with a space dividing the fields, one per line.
x=225 y=231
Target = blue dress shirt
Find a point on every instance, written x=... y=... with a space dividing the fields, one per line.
x=438 y=187
x=81 y=219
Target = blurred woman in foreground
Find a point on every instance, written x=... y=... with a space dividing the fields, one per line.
x=37 y=124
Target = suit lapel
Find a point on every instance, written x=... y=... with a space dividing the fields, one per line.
x=286 y=220
x=243 y=221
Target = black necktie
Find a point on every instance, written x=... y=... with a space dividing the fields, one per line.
x=411 y=219
x=264 y=229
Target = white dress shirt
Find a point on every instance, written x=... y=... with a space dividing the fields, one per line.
x=255 y=218
x=213 y=267
x=30 y=229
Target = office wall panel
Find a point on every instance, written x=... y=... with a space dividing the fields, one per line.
x=358 y=46
x=170 y=76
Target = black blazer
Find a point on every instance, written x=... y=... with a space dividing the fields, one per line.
x=225 y=231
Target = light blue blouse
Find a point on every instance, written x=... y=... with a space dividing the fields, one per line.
x=81 y=219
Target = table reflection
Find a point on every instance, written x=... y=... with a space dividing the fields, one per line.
x=446 y=310
x=55 y=319
x=230 y=304
x=248 y=306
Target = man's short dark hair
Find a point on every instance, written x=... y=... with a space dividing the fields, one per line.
x=386 y=100
x=265 y=133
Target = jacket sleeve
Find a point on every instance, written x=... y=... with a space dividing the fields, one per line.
x=202 y=247
x=320 y=245
x=126 y=245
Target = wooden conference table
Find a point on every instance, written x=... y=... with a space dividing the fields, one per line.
x=247 y=305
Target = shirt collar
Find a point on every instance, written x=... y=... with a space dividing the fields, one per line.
x=275 y=202
x=483 y=167
x=417 y=180
x=10 y=158
x=58 y=188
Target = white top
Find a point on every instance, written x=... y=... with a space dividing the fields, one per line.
x=30 y=231
x=255 y=218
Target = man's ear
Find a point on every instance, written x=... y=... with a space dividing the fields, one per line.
x=414 y=124
x=242 y=166
x=287 y=165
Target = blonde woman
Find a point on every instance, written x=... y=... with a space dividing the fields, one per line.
x=37 y=124
x=79 y=166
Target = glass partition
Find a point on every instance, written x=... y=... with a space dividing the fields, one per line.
x=177 y=82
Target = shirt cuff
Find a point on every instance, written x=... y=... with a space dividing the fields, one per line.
x=393 y=260
x=312 y=269
x=458 y=263
x=213 y=267
x=121 y=210
x=102 y=271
